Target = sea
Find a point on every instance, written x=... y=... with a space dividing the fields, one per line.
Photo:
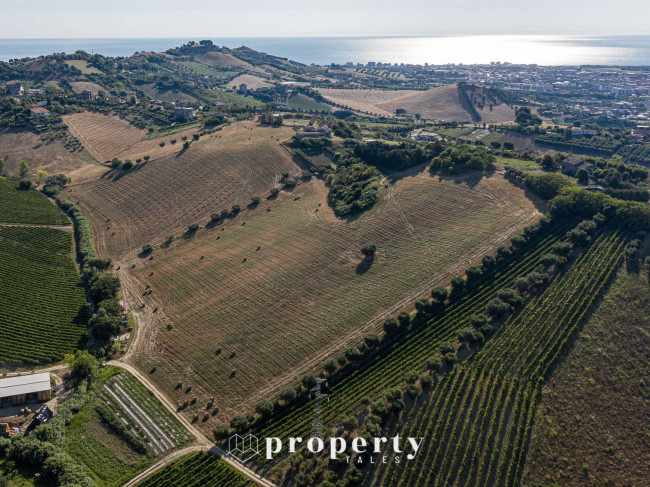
x=434 y=50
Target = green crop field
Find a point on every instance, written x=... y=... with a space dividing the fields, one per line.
x=307 y=104
x=43 y=309
x=18 y=206
x=197 y=470
x=150 y=431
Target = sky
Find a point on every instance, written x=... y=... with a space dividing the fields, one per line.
x=301 y=18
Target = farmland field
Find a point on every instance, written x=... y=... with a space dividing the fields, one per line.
x=295 y=276
x=206 y=70
x=26 y=145
x=79 y=86
x=108 y=136
x=584 y=434
x=197 y=470
x=83 y=66
x=306 y=103
x=477 y=418
x=18 y=206
x=252 y=82
x=112 y=456
x=43 y=309
x=441 y=103
x=367 y=101
x=164 y=196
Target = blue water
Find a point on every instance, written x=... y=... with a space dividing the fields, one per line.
x=543 y=50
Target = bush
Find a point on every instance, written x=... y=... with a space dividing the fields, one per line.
x=439 y=293
x=350 y=423
x=264 y=408
x=288 y=395
x=127 y=165
x=192 y=228
x=371 y=340
x=391 y=326
x=496 y=308
x=309 y=380
x=239 y=423
x=404 y=319
x=221 y=432
x=369 y=250
x=147 y=249
x=330 y=365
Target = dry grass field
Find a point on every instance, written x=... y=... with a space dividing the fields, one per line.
x=165 y=195
x=79 y=86
x=251 y=82
x=441 y=103
x=287 y=289
x=26 y=145
x=222 y=60
x=376 y=102
x=108 y=136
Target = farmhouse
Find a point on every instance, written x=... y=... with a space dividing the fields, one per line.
x=183 y=113
x=39 y=112
x=15 y=89
x=86 y=95
x=311 y=131
x=25 y=389
x=571 y=165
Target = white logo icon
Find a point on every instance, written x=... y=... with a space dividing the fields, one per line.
x=243 y=447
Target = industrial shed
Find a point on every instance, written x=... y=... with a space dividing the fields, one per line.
x=25 y=389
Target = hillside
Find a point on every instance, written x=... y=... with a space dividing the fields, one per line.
x=436 y=104
x=165 y=195
x=584 y=433
x=290 y=288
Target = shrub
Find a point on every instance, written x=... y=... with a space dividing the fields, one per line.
x=147 y=249
x=371 y=340
x=264 y=408
x=127 y=165
x=221 y=432
x=255 y=200
x=236 y=208
x=352 y=353
x=330 y=365
x=309 y=380
x=369 y=250
x=350 y=423
x=391 y=326
x=497 y=308
x=192 y=228
x=433 y=364
x=439 y=293
x=404 y=319
x=447 y=347
x=215 y=217
x=239 y=423
x=288 y=395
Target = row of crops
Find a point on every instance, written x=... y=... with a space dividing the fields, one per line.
x=388 y=367
x=143 y=414
x=197 y=470
x=27 y=206
x=477 y=421
x=43 y=307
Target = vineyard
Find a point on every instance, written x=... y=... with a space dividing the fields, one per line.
x=477 y=421
x=122 y=430
x=43 y=309
x=197 y=470
x=19 y=206
x=250 y=304
x=164 y=196
x=390 y=365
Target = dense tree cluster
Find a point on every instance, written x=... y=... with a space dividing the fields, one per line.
x=462 y=157
x=353 y=188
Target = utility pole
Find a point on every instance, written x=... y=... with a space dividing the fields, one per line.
x=317 y=430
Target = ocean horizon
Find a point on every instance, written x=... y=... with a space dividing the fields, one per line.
x=551 y=50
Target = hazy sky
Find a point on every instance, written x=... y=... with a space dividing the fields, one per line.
x=283 y=18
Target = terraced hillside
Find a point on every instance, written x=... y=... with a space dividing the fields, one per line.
x=43 y=309
x=262 y=303
x=166 y=195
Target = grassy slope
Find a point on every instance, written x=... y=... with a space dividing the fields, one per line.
x=306 y=103
x=592 y=427
x=307 y=286
x=53 y=157
x=164 y=196
x=41 y=295
x=18 y=206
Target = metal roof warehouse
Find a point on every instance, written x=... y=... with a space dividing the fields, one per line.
x=25 y=388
